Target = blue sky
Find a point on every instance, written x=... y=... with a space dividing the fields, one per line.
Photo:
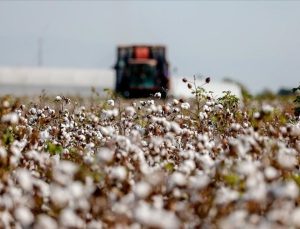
x=256 y=43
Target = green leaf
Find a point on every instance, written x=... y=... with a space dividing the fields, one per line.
x=169 y=167
x=8 y=137
x=54 y=148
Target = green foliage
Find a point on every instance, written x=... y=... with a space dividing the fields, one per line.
x=231 y=179
x=8 y=137
x=296 y=178
x=54 y=148
x=169 y=167
x=297 y=101
x=266 y=95
x=229 y=101
x=199 y=91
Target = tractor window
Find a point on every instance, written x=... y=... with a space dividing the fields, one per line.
x=142 y=76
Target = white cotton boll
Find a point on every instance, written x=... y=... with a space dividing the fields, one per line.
x=246 y=167
x=115 y=112
x=177 y=179
x=64 y=171
x=142 y=189
x=88 y=158
x=245 y=125
x=256 y=115
x=206 y=161
x=153 y=109
x=286 y=190
x=94 y=224
x=219 y=106
x=206 y=108
x=90 y=146
x=177 y=193
x=149 y=111
x=167 y=125
x=119 y=173
x=55 y=159
x=32 y=111
x=187 y=166
x=12 y=118
x=271 y=173
x=14 y=161
x=258 y=194
x=291 y=190
x=210 y=103
x=46 y=222
x=296 y=217
x=33 y=155
x=280 y=215
x=59 y=196
x=286 y=159
x=295 y=131
x=176 y=110
x=198 y=181
x=236 y=218
x=24 y=178
x=120 y=208
x=123 y=142
x=283 y=129
x=67 y=167
x=175 y=102
x=5 y=104
x=68 y=218
x=82 y=204
x=107 y=131
x=76 y=189
x=95 y=119
x=24 y=216
x=255 y=179
x=226 y=195
x=107 y=114
x=6 y=201
x=235 y=126
x=58 y=98
x=44 y=135
x=3 y=153
x=81 y=138
x=105 y=155
x=159 y=109
x=175 y=127
x=185 y=106
x=157 y=95
x=203 y=115
x=130 y=111
x=6 y=219
x=150 y=102
x=43 y=186
x=266 y=108
x=157 y=141
x=158 y=218
x=111 y=102
x=158 y=201
x=16 y=151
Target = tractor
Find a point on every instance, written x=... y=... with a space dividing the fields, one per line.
x=141 y=71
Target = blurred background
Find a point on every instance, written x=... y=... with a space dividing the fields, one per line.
x=255 y=43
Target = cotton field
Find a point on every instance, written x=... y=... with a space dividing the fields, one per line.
x=149 y=163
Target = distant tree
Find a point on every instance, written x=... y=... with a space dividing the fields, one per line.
x=284 y=91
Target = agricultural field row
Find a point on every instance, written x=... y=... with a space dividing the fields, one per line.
x=205 y=162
